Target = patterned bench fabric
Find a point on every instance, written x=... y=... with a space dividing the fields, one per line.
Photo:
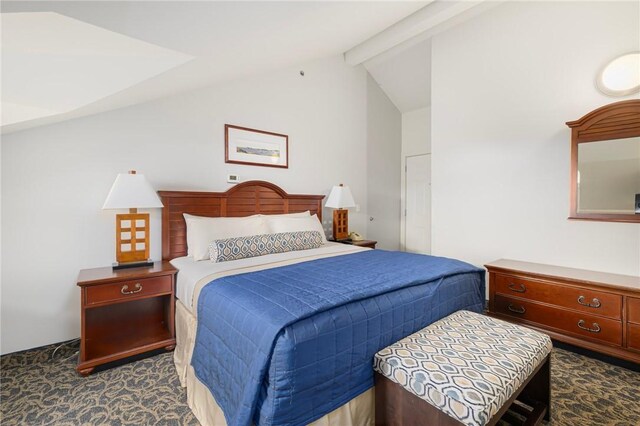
x=467 y=365
x=259 y=245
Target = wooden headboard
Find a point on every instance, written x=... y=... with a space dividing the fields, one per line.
x=244 y=199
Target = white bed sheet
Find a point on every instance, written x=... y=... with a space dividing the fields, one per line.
x=191 y=272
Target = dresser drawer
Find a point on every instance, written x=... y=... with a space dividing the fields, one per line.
x=633 y=336
x=128 y=290
x=588 y=301
x=576 y=323
x=633 y=310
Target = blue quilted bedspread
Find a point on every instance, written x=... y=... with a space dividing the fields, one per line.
x=288 y=345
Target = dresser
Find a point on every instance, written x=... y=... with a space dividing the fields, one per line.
x=592 y=310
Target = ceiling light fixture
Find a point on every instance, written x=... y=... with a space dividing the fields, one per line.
x=621 y=76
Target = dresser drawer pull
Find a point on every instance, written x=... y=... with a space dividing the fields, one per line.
x=520 y=288
x=595 y=302
x=520 y=310
x=125 y=289
x=595 y=329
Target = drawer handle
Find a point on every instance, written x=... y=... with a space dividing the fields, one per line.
x=595 y=302
x=125 y=289
x=595 y=329
x=520 y=310
x=520 y=289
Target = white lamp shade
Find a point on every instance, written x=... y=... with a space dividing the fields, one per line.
x=132 y=191
x=340 y=198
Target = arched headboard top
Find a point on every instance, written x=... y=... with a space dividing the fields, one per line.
x=245 y=199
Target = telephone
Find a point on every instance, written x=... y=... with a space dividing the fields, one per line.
x=355 y=236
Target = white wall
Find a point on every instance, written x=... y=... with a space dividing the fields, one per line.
x=503 y=85
x=55 y=178
x=416 y=132
x=416 y=140
x=384 y=128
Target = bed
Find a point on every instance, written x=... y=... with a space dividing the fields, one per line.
x=285 y=390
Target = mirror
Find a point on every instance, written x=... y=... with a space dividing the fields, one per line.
x=605 y=163
x=608 y=176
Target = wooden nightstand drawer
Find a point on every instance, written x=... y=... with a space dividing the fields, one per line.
x=577 y=323
x=579 y=299
x=128 y=290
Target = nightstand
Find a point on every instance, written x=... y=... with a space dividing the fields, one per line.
x=362 y=243
x=125 y=312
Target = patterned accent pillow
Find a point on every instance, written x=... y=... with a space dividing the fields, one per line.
x=260 y=245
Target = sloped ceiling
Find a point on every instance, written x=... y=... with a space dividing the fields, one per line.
x=50 y=64
x=162 y=48
x=399 y=58
x=406 y=76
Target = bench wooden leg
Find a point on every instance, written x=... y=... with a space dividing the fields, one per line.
x=538 y=390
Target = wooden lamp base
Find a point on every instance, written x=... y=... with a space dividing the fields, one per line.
x=340 y=224
x=132 y=240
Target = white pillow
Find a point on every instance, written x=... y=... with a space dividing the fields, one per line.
x=202 y=230
x=278 y=225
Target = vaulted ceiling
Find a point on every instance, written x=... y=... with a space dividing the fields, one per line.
x=51 y=64
x=139 y=51
x=62 y=60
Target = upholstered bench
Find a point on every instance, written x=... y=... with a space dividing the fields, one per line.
x=465 y=369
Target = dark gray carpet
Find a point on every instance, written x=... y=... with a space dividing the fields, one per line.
x=39 y=391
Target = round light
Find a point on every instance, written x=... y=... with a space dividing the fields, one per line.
x=621 y=76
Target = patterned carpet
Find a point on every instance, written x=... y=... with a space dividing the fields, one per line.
x=38 y=391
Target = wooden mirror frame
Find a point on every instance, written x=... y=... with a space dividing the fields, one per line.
x=618 y=120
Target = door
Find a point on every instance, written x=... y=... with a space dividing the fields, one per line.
x=418 y=204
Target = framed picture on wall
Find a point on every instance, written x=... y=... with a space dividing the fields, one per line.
x=255 y=147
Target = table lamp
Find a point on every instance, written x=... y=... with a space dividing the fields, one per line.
x=340 y=199
x=132 y=191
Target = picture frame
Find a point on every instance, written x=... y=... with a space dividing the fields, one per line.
x=252 y=147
